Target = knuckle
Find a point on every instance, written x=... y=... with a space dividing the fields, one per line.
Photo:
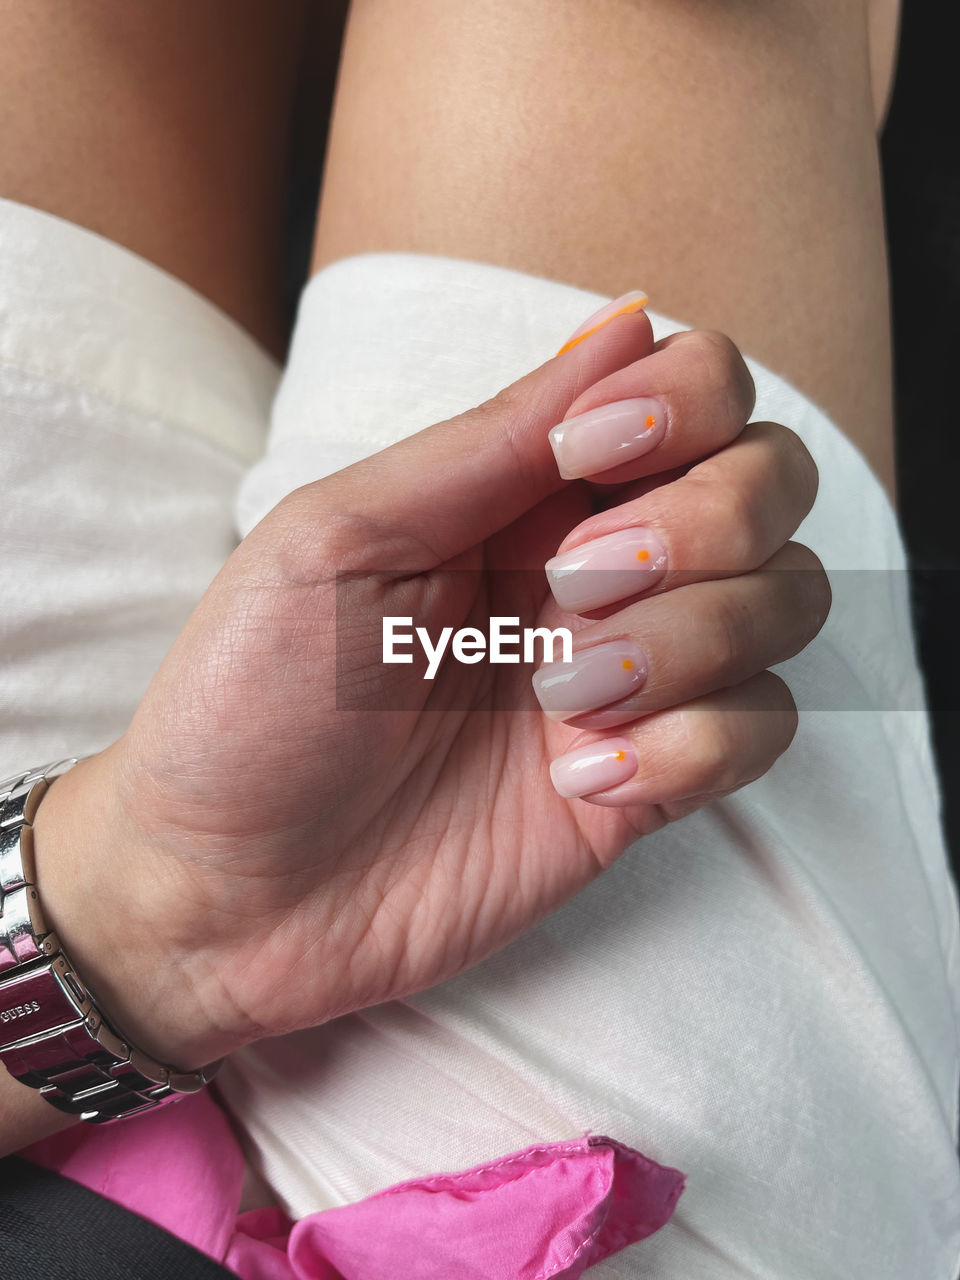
x=811 y=592
x=716 y=765
x=778 y=720
x=736 y=515
x=800 y=471
x=747 y=520
x=305 y=554
x=746 y=729
x=509 y=416
x=800 y=598
x=733 y=638
x=495 y=409
x=727 y=371
x=822 y=601
x=309 y=542
x=782 y=700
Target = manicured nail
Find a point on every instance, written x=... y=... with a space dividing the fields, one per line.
x=597 y=676
x=635 y=300
x=595 y=768
x=603 y=438
x=606 y=569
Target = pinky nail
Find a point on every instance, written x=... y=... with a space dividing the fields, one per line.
x=635 y=300
x=594 y=768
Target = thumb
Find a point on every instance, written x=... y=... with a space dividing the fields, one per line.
x=453 y=485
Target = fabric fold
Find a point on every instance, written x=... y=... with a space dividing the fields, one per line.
x=549 y=1211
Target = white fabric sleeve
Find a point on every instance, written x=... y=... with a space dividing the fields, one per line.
x=764 y=995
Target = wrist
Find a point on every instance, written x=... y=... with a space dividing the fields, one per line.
x=101 y=893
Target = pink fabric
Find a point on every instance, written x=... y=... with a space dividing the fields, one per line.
x=549 y=1211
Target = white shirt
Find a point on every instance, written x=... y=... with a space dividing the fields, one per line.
x=764 y=995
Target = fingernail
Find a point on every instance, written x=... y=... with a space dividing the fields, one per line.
x=597 y=676
x=595 y=768
x=606 y=569
x=603 y=438
x=635 y=300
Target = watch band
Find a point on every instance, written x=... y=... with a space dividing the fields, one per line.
x=53 y=1037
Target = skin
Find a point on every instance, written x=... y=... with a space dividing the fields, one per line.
x=163 y=127
x=599 y=225
x=617 y=145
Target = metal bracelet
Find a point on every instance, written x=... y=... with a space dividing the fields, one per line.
x=53 y=1037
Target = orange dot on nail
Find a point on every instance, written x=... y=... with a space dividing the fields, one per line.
x=651 y=422
x=620 y=755
x=643 y=555
x=627 y=664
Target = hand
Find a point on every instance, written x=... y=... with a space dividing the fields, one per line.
x=281 y=853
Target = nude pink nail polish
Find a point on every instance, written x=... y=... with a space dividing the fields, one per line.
x=597 y=676
x=606 y=569
x=605 y=437
x=597 y=767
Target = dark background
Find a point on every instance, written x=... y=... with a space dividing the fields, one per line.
x=920 y=153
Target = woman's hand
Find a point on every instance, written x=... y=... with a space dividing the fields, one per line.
x=291 y=829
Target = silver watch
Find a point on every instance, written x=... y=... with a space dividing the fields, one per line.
x=53 y=1037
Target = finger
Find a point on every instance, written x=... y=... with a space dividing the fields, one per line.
x=706 y=748
x=674 y=647
x=726 y=515
x=429 y=498
x=691 y=395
